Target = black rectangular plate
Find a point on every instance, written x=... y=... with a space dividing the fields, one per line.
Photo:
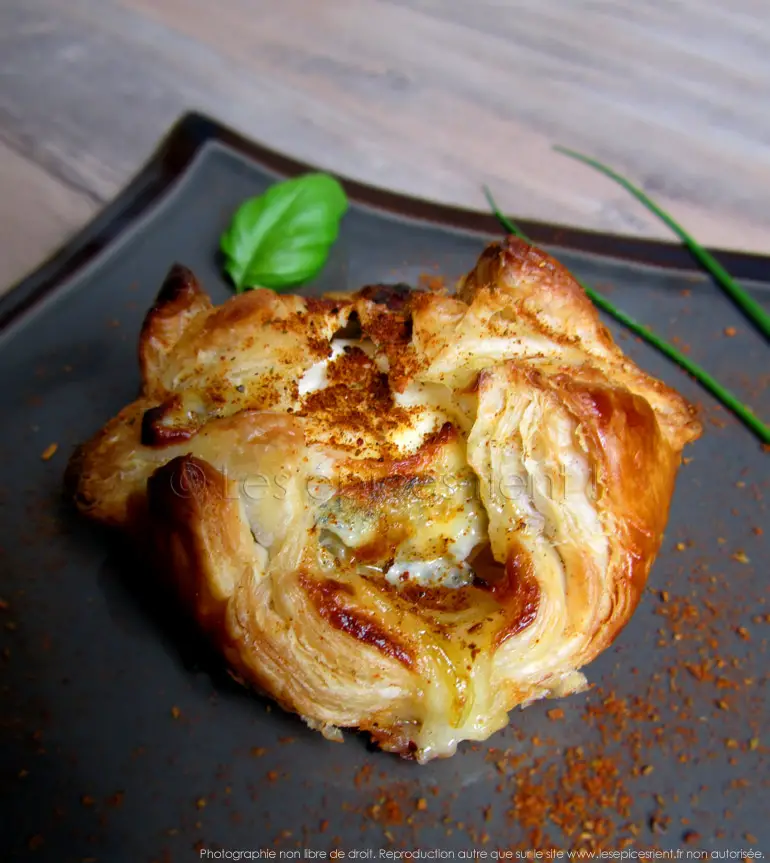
x=123 y=738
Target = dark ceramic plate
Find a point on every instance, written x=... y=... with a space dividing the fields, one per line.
x=123 y=739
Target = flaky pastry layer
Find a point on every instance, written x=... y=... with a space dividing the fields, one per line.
x=401 y=511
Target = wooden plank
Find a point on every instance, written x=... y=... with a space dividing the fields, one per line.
x=37 y=212
x=485 y=104
x=431 y=99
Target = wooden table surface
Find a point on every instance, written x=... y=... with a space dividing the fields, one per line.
x=429 y=97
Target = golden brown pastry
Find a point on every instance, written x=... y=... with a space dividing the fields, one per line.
x=400 y=511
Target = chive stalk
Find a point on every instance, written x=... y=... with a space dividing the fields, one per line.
x=740 y=296
x=709 y=383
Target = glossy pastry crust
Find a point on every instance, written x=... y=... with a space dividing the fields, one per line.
x=401 y=511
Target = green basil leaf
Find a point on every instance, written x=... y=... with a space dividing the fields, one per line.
x=284 y=236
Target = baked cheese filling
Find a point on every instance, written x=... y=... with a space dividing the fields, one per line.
x=418 y=541
x=433 y=520
x=316 y=378
x=401 y=511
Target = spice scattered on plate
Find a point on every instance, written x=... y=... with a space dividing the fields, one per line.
x=730 y=331
x=740 y=556
x=116 y=800
x=49 y=451
x=431 y=282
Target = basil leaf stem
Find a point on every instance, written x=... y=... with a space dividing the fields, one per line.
x=701 y=375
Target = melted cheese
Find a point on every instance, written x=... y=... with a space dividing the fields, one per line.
x=315 y=378
x=440 y=524
x=403 y=427
x=440 y=572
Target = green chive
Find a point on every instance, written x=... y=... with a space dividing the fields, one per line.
x=729 y=285
x=701 y=375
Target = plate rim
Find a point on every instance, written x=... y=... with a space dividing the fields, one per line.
x=191 y=132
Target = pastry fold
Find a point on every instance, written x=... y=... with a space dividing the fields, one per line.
x=400 y=511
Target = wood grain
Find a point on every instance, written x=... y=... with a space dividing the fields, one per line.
x=51 y=212
x=429 y=97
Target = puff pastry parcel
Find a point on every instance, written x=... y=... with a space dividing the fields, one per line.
x=396 y=510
